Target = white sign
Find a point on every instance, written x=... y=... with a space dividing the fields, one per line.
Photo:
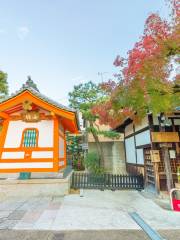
x=84 y=146
x=172 y=154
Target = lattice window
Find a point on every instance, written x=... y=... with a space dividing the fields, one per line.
x=30 y=137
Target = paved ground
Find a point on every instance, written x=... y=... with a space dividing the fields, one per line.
x=81 y=235
x=97 y=210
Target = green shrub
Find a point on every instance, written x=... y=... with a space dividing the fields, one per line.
x=78 y=164
x=92 y=163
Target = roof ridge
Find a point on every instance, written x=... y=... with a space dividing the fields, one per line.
x=38 y=94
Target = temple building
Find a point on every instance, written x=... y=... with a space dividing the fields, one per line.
x=144 y=143
x=32 y=137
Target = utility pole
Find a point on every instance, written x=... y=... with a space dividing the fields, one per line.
x=101 y=75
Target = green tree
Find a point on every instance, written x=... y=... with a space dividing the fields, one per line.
x=3 y=85
x=75 y=151
x=149 y=82
x=83 y=98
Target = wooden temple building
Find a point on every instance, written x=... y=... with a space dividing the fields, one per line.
x=144 y=147
x=32 y=136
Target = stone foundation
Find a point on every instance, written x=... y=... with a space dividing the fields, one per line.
x=34 y=187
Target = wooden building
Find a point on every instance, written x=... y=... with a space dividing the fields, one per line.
x=32 y=137
x=143 y=147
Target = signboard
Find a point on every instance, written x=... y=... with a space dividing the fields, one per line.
x=167 y=145
x=155 y=156
x=85 y=146
x=172 y=154
x=165 y=137
x=31 y=116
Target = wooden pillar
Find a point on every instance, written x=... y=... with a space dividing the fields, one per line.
x=135 y=147
x=174 y=130
x=153 y=147
x=166 y=158
x=65 y=155
x=56 y=144
x=169 y=178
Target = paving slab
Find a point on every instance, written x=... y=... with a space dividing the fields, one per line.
x=109 y=210
x=46 y=220
x=8 y=224
x=96 y=210
x=28 y=221
x=54 y=206
x=31 y=216
x=78 y=217
x=4 y=214
x=10 y=205
x=16 y=215
x=35 y=203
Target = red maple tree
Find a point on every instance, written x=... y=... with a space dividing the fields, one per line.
x=145 y=83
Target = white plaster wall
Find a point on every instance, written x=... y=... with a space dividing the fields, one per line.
x=26 y=165
x=61 y=163
x=42 y=154
x=143 y=138
x=155 y=120
x=128 y=130
x=140 y=156
x=12 y=155
x=15 y=130
x=177 y=122
x=61 y=147
x=142 y=124
x=130 y=150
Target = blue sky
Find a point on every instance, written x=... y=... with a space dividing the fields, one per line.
x=61 y=43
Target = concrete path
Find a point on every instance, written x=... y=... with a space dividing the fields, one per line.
x=97 y=210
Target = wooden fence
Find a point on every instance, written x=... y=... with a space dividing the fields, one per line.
x=106 y=181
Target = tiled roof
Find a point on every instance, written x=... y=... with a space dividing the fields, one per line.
x=40 y=96
x=31 y=87
x=129 y=120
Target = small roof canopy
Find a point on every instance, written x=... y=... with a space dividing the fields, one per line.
x=128 y=120
x=30 y=92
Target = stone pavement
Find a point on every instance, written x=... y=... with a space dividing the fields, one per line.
x=31 y=213
x=97 y=210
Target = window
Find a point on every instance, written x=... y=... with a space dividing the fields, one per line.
x=30 y=137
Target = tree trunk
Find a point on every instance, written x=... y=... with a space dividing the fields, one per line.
x=99 y=146
x=169 y=178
